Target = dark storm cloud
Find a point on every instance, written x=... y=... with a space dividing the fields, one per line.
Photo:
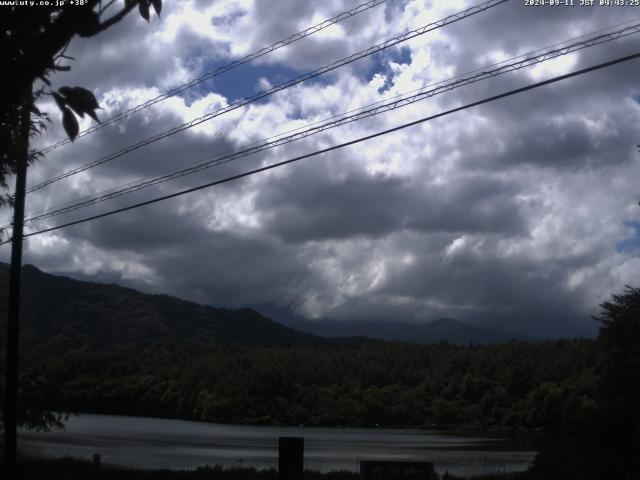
x=228 y=268
x=300 y=209
x=505 y=215
x=178 y=151
x=157 y=227
x=114 y=58
x=510 y=293
x=134 y=53
x=584 y=122
x=167 y=153
x=362 y=31
x=515 y=30
x=551 y=137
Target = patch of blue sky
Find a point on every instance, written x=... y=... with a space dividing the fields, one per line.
x=229 y=19
x=393 y=9
x=245 y=80
x=379 y=63
x=631 y=244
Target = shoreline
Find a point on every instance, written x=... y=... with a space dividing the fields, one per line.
x=423 y=428
x=152 y=443
x=40 y=469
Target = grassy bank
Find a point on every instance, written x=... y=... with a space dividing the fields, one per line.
x=71 y=469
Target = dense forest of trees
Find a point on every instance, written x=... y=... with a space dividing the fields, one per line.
x=606 y=442
x=516 y=385
x=103 y=349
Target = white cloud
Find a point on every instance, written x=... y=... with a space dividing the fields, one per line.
x=506 y=213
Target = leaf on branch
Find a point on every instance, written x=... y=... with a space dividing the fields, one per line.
x=157 y=6
x=81 y=101
x=87 y=98
x=70 y=124
x=80 y=113
x=93 y=115
x=70 y=101
x=65 y=91
x=143 y=6
x=60 y=101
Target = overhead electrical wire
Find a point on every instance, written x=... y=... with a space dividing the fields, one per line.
x=363 y=7
x=308 y=76
x=333 y=117
x=342 y=145
x=522 y=61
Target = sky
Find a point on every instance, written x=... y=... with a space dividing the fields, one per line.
x=520 y=214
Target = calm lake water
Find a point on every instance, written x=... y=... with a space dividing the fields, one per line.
x=152 y=443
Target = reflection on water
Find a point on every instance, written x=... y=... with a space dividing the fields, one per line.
x=151 y=443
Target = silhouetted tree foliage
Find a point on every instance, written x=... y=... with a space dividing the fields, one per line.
x=367 y=384
x=103 y=348
x=606 y=444
x=619 y=340
x=33 y=41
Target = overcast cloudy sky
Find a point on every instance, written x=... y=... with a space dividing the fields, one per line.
x=521 y=214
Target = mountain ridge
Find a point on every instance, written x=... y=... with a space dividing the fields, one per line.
x=438 y=330
x=60 y=313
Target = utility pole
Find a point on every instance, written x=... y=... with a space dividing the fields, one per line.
x=13 y=321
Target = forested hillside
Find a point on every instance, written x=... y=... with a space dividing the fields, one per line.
x=91 y=347
x=515 y=385
x=60 y=314
x=108 y=349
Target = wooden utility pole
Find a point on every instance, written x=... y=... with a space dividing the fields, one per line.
x=13 y=321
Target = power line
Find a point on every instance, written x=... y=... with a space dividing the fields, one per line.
x=223 y=69
x=526 y=60
x=308 y=76
x=357 y=56
x=342 y=145
x=333 y=117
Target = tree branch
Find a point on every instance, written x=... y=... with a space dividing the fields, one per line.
x=62 y=52
x=59 y=34
x=104 y=9
x=113 y=20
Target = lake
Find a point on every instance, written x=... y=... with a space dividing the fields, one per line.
x=152 y=443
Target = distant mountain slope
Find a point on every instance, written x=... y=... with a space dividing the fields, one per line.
x=60 y=313
x=63 y=314
x=447 y=329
